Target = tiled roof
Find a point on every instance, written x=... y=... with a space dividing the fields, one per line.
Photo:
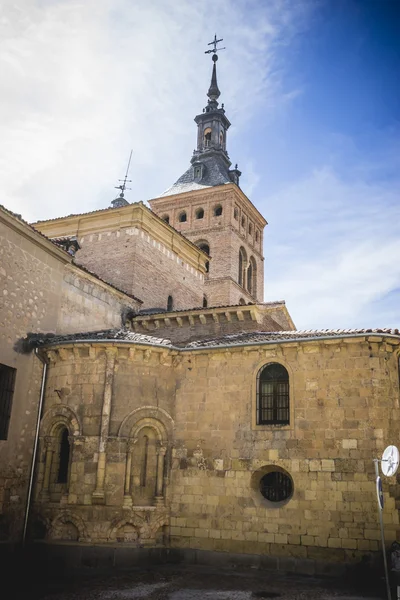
x=216 y=172
x=39 y=340
x=238 y=339
x=258 y=337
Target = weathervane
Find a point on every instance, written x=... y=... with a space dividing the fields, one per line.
x=214 y=50
x=125 y=180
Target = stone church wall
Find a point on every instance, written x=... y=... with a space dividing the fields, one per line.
x=143 y=385
x=344 y=411
x=201 y=407
x=31 y=274
x=88 y=304
x=135 y=262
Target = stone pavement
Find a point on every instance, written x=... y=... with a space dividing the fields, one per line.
x=201 y=583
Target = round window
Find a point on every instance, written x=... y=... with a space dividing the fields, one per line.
x=276 y=486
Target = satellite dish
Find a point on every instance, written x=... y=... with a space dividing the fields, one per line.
x=390 y=461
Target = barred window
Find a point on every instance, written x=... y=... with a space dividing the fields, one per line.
x=276 y=486
x=7 y=383
x=273 y=395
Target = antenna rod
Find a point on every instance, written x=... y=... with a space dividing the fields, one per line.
x=129 y=163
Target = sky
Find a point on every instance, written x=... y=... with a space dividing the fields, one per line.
x=311 y=88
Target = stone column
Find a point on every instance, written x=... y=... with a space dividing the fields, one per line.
x=98 y=496
x=49 y=446
x=128 y=473
x=160 y=475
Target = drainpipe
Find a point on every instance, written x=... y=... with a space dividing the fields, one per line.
x=35 y=445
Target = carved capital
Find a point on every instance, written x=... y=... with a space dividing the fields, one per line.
x=48 y=442
x=162 y=450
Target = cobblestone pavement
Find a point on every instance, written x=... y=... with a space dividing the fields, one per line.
x=199 y=583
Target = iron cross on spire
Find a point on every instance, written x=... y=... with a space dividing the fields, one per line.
x=214 y=43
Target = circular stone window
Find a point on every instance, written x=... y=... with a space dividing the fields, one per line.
x=276 y=486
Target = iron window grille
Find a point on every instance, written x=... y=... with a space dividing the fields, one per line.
x=7 y=384
x=276 y=486
x=273 y=395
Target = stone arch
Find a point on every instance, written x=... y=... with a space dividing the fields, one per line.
x=57 y=416
x=150 y=416
x=148 y=431
x=39 y=527
x=158 y=523
x=205 y=247
x=66 y=518
x=135 y=522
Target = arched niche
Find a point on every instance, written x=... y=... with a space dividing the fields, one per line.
x=148 y=431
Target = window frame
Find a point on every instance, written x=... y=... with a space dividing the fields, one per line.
x=199 y=213
x=277 y=397
x=8 y=377
x=270 y=357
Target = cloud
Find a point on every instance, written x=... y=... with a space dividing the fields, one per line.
x=336 y=254
x=84 y=82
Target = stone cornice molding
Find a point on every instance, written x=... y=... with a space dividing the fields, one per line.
x=39 y=239
x=227 y=188
x=132 y=216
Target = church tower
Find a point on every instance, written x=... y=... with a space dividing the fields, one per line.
x=208 y=207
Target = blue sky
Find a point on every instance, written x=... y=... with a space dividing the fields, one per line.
x=311 y=89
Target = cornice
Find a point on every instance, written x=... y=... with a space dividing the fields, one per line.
x=37 y=238
x=194 y=194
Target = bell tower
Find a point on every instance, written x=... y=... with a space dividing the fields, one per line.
x=207 y=206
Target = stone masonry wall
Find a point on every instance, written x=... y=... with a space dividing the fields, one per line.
x=30 y=290
x=143 y=383
x=130 y=259
x=344 y=397
x=344 y=411
x=88 y=304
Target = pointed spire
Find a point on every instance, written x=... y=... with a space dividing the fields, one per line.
x=213 y=92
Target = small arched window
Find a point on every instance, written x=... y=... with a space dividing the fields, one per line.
x=170 y=303
x=182 y=217
x=218 y=211
x=205 y=302
x=243 y=222
x=242 y=301
x=273 y=395
x=252 y=276
x=207 y=137
x=242 y=266
x=145 y=458
x=199 y=213
x=236 y=214
x=166 y=218
x=206 y=248
x=63 y=463
x=250 y=229
x=257 y=236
